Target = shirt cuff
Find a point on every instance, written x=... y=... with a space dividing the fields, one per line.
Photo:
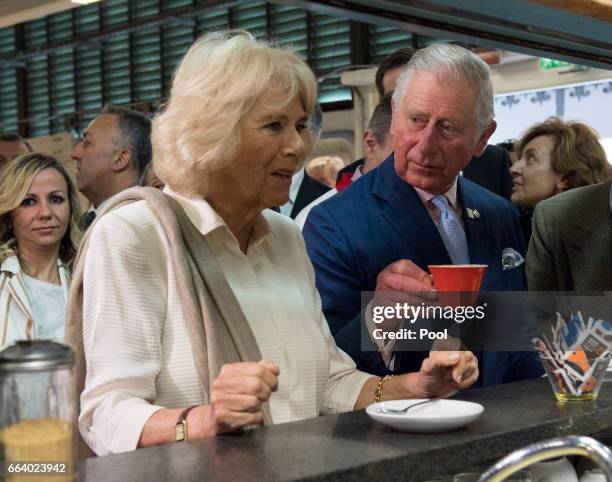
x=346 y=393
x=134 y=416
x=385 y=347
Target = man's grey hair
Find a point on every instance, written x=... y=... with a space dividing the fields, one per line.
x=452 y=63
x=135 y=133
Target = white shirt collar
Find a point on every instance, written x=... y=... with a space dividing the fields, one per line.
x=206 y=219
x=357 y=173
x=451 y=195
x=11 y=265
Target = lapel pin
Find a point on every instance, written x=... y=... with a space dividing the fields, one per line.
x=472 y=213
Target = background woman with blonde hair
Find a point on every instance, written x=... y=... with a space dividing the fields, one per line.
x=39 y=236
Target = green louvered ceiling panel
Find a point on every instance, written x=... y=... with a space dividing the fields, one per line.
x=129 y=66
x=8 y=83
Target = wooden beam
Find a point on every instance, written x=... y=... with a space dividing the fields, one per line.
x=599 y=9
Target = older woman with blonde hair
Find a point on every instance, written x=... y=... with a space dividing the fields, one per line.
x=199 y=308
x=39 y=237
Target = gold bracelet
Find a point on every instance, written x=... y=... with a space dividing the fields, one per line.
x=378 y=393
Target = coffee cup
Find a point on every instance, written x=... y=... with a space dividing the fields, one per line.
x=459 y=283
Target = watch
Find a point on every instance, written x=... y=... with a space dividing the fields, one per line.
x=180 y=429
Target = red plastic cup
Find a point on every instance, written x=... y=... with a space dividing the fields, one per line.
x=462 y=280
x=457 y=277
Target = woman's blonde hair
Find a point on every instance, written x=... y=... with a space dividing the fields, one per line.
x=334 y=147
x=334 y=162
x=325 y=169
x=215 y=86
x=15 y=182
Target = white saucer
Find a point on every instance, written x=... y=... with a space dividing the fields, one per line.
x=436 y=416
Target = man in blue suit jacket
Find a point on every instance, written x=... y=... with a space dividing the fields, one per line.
x=381 y=232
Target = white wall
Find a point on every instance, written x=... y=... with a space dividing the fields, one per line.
x=587 y=102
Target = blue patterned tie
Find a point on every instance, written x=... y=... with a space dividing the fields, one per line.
x=451 y=231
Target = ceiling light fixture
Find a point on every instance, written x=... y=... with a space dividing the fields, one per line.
x=84 y=2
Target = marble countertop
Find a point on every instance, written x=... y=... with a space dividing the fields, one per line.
x=352 y=447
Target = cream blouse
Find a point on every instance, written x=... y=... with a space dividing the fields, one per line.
x=136 y=341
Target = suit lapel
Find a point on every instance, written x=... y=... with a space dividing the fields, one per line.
x=478 y=230
x=405 y=212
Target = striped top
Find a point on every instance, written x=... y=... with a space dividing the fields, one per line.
x=17 y=320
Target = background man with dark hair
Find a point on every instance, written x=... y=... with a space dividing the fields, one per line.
x=12 y=145
x=115 y=149
x=390 y=68
x=385 y=80
x=377 y=145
